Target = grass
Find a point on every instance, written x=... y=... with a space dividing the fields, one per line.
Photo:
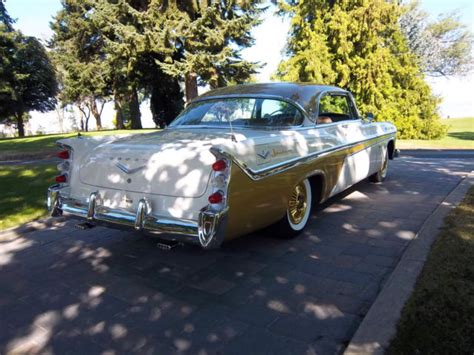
x=439 y=316
x=460 y=136
x=23 y=192
x=47 y=142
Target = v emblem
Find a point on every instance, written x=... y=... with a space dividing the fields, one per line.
x=264 y=154
x=128 y=170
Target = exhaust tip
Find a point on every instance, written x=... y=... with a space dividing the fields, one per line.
x=84 y=225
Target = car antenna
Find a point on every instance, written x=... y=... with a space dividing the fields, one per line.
x=232 y=136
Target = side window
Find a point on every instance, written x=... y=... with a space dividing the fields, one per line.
x=280 y=113
x=334 y=108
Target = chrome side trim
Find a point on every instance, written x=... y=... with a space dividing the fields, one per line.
x=283 y=166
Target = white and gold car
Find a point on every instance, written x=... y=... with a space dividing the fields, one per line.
x=236 y=160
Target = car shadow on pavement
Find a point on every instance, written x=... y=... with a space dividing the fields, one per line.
x=64 y=290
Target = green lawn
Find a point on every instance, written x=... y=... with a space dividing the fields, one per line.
x=439 y=316
x=23 y=192
x=47 y=142
x=460 y=136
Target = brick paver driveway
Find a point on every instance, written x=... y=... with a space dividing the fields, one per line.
x=69 y=291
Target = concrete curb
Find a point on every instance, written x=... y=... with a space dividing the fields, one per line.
x=379 y=325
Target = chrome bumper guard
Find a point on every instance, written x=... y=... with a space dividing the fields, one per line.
x=208 y=231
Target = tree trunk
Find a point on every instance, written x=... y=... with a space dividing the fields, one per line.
x=191 y=87
x=96 y=113
x=85 y=115
x=118 y=112
x=166 y=100
x=20 y=125
x=60 y=112
x=135 y=110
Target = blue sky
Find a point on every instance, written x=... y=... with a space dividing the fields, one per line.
x=33 y=17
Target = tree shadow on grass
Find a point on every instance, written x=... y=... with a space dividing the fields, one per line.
x=467 y=136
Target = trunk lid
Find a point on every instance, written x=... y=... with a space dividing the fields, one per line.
x=172 y=163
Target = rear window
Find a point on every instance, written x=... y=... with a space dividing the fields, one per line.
x=245 y=112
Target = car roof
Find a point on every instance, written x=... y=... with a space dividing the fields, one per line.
x=305 y=94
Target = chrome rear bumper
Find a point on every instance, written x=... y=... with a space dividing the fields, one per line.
x=208 y=231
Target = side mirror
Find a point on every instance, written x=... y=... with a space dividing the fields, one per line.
x=370 y=116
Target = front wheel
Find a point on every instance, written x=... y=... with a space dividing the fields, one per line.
x=380 y=175
x=298 y=211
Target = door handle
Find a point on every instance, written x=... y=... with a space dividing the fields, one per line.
x=345 y=126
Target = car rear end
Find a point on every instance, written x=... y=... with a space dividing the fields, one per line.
x=175 y=191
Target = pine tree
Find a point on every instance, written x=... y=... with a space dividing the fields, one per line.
x=200 y=41
x=78 y=53
x=27 y=78
x=359 y=45
x=122 y=28
x=147 y=47
x=5 y=19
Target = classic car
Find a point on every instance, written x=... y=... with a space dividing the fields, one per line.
x=236 y=160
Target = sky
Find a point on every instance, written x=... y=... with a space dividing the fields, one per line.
x=33 y=18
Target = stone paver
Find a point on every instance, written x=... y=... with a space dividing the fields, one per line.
x=69 y=291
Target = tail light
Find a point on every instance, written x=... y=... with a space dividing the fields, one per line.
x=219 y=183
x=64 y=154
x=61 y=178
x=216 y=197
x=64 y=167
x=219 y=165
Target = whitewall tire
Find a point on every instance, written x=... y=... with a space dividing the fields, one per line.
x=381 y=175
x=298 y=211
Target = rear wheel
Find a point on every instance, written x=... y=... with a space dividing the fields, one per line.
x=380 y=175
x=298 y=211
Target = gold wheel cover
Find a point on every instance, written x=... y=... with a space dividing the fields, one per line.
x=298 y=203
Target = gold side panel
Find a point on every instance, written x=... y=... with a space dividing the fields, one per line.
x=255 y=204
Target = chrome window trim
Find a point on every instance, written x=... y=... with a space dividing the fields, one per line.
x=352 y=106
x=283 y=166
x=324 y=125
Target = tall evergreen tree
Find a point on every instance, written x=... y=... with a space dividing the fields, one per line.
x=27 y=78
x=5 y=19
x=359 y=45
x=78 y=52
x=122 y=27
x=149 y=46
x=202 y=40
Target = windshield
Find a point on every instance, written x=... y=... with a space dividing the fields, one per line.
x=240 y=112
